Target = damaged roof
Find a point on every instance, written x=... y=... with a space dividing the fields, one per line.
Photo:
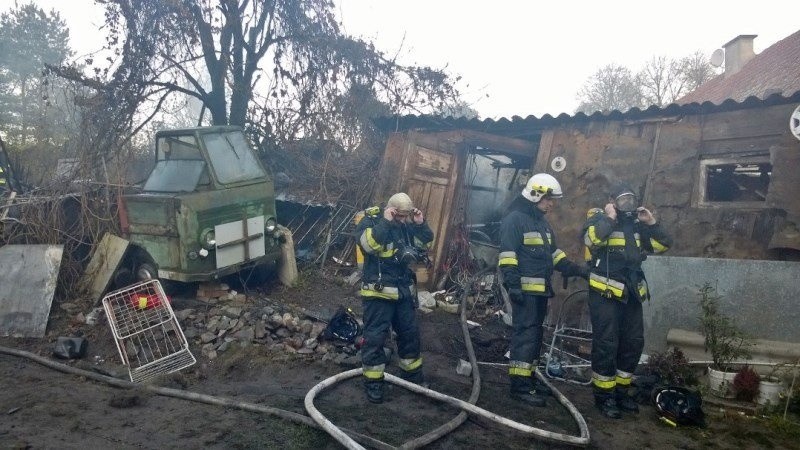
x=520 y=127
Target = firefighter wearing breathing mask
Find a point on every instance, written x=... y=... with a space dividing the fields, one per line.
x=619 y=240
x=528 y=256
x=391 y=240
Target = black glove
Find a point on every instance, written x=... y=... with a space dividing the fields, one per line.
x=515 y=294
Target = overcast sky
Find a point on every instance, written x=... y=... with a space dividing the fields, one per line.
x=524 y=57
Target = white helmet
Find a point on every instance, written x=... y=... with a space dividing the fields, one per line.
x=540 y=185
x=402 y=202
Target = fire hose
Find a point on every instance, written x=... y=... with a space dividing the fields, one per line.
x=349 y=438
x=469 y=406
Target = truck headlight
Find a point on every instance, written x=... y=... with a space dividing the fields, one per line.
x=270 y=225
x=208 y=240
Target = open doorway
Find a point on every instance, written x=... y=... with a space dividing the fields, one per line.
x=493 y=178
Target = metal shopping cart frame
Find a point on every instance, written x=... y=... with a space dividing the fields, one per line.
x=561 y=364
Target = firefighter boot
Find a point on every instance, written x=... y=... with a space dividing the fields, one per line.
x=522 y=391
x=625 y=401
x=374 y=390
x=607 y=404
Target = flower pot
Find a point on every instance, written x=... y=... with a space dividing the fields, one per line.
x=769 y=391
x=721 y=383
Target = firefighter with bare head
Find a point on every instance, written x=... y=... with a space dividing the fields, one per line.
x=619 y=239
x=391 y=240
x=528 y=256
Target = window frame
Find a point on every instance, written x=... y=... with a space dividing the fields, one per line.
x=717 y=161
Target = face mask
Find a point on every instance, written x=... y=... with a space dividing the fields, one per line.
x=626 y=203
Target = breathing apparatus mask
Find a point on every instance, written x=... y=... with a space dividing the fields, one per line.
x=626 y=205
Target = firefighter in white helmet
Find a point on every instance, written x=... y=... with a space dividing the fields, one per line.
x=390 y=242
x=528 y=256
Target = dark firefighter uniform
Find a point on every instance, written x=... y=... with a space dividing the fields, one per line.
x=617 y=288
x=528 y=256
x=389 y=294
x=3 y=177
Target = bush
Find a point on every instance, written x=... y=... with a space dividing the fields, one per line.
x=672 y=367
x=723 y=339
x=745 y=384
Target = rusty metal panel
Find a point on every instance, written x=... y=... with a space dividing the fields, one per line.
x=28 y=275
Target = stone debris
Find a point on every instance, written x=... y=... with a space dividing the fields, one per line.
x=230 y=321
x=213 y=293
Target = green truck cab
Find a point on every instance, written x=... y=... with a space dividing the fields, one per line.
x=207 y=210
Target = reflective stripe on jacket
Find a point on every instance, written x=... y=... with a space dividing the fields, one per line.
x=528 y=251
x=380 y=240
x=614 y=272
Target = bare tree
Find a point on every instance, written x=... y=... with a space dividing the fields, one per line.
x=664 y=80
x=279 y=67
x=611 y=87
x=695 y=70
x=661 y=81
x=656 y=79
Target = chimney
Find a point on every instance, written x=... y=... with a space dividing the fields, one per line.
x=738 y=52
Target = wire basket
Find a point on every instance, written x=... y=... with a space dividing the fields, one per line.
x=147 y=333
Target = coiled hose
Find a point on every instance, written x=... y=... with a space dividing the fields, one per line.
x=348 y=442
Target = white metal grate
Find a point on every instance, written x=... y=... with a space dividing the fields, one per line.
x=147 y=333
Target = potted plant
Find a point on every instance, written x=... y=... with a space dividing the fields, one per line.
x=771 y=386
x=724 y=340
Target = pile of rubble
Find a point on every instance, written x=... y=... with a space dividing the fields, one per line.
x=228 y=319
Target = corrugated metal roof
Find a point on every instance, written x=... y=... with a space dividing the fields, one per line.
x=531 y=124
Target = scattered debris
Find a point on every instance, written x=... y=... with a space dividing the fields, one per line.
x=146 y=331
x=215 y=292
x=70 y=347
x=464 y=368
x=28 y=276
x=100 y=271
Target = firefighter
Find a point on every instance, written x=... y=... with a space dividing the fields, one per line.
x=3 y=178
x=399 y=236
x=528 y=256
x=619 y=240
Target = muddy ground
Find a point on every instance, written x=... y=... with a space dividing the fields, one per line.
x=44 y=408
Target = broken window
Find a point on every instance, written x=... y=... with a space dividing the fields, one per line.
x=735 y=181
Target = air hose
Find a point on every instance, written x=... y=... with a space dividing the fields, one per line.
x=348 y=442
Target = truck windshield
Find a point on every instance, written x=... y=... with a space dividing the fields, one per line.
x=177 y=175
x=231 y=157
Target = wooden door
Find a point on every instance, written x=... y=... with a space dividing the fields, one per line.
x=428 y=180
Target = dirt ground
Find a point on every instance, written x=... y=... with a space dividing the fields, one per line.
x=44 y=408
